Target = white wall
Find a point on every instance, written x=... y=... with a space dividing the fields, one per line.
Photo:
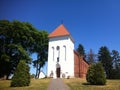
x=66 y=65
x=41 y=75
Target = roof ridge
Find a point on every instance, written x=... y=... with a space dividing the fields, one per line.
x=61 y=30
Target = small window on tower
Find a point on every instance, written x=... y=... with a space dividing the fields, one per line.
x=58 y=53
x=64 y=52
x=57 y=47
x=53 y=53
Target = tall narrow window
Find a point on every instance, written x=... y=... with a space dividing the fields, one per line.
x=53 y=53
x=64 y=52
x=58 y=51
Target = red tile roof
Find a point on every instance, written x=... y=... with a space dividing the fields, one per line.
x=59 y=31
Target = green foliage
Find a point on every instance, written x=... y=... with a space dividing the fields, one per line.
x=116 y=65
x=17 y=41
x=80 y=49
x=110 y=62
x=21 y=76
x=96 y=75
x=115 y=73
x=4 y=61
x=5 y=57
x=115 y=59
x=41 y=49
x=106 y=60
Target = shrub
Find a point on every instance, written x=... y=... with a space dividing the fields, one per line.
x=21 y=76
x=96 y=75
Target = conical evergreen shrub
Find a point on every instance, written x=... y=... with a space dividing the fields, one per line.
x=21 y=76
x=96 y=74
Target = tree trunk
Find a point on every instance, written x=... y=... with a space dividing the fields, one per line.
x=39 y=70
x=36 y=70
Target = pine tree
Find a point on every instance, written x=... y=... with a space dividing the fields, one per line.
x=106 y=60
x=21 y=76
x=81 y=50
x=96 y=75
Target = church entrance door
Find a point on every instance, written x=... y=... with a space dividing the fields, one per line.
x=58 y=70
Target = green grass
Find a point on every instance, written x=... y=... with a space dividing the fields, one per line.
x=80 y=84
x=73 y=83
x=36 y=84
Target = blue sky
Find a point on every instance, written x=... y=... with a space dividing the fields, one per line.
x=93 y=23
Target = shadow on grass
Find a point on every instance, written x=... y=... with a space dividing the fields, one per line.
x=86 y=83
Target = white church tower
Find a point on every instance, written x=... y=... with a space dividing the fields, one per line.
x=60 y=53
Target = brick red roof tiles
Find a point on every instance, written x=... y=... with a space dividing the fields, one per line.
x=59 y=31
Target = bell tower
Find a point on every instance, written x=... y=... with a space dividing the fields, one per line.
x=60 y=53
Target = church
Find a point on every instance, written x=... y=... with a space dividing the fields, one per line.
x=63 y=60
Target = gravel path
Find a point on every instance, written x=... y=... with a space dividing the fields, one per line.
x=57 y=84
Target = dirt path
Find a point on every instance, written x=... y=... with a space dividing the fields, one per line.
x=57 y=84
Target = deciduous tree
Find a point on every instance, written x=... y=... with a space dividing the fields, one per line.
x=116 y=64
x=17 y=41
x=42 y=52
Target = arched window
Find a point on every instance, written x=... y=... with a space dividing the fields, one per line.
x=58 y=52
x=64 y=52
x=53 y=53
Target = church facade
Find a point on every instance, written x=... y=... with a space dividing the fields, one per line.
x=63 y=60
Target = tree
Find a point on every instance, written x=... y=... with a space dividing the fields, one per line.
x=12 y=46
x=42 y=52
x=115 y=59
x=17 y=41
x=4 y=58
x=116 y=64
x=91 y=57
x=96 y=75
x=10 y=60
x=21 y=76
x=105 y=58
x=81 y=50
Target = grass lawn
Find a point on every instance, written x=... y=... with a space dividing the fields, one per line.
x=36 y=84
x=79 y=84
